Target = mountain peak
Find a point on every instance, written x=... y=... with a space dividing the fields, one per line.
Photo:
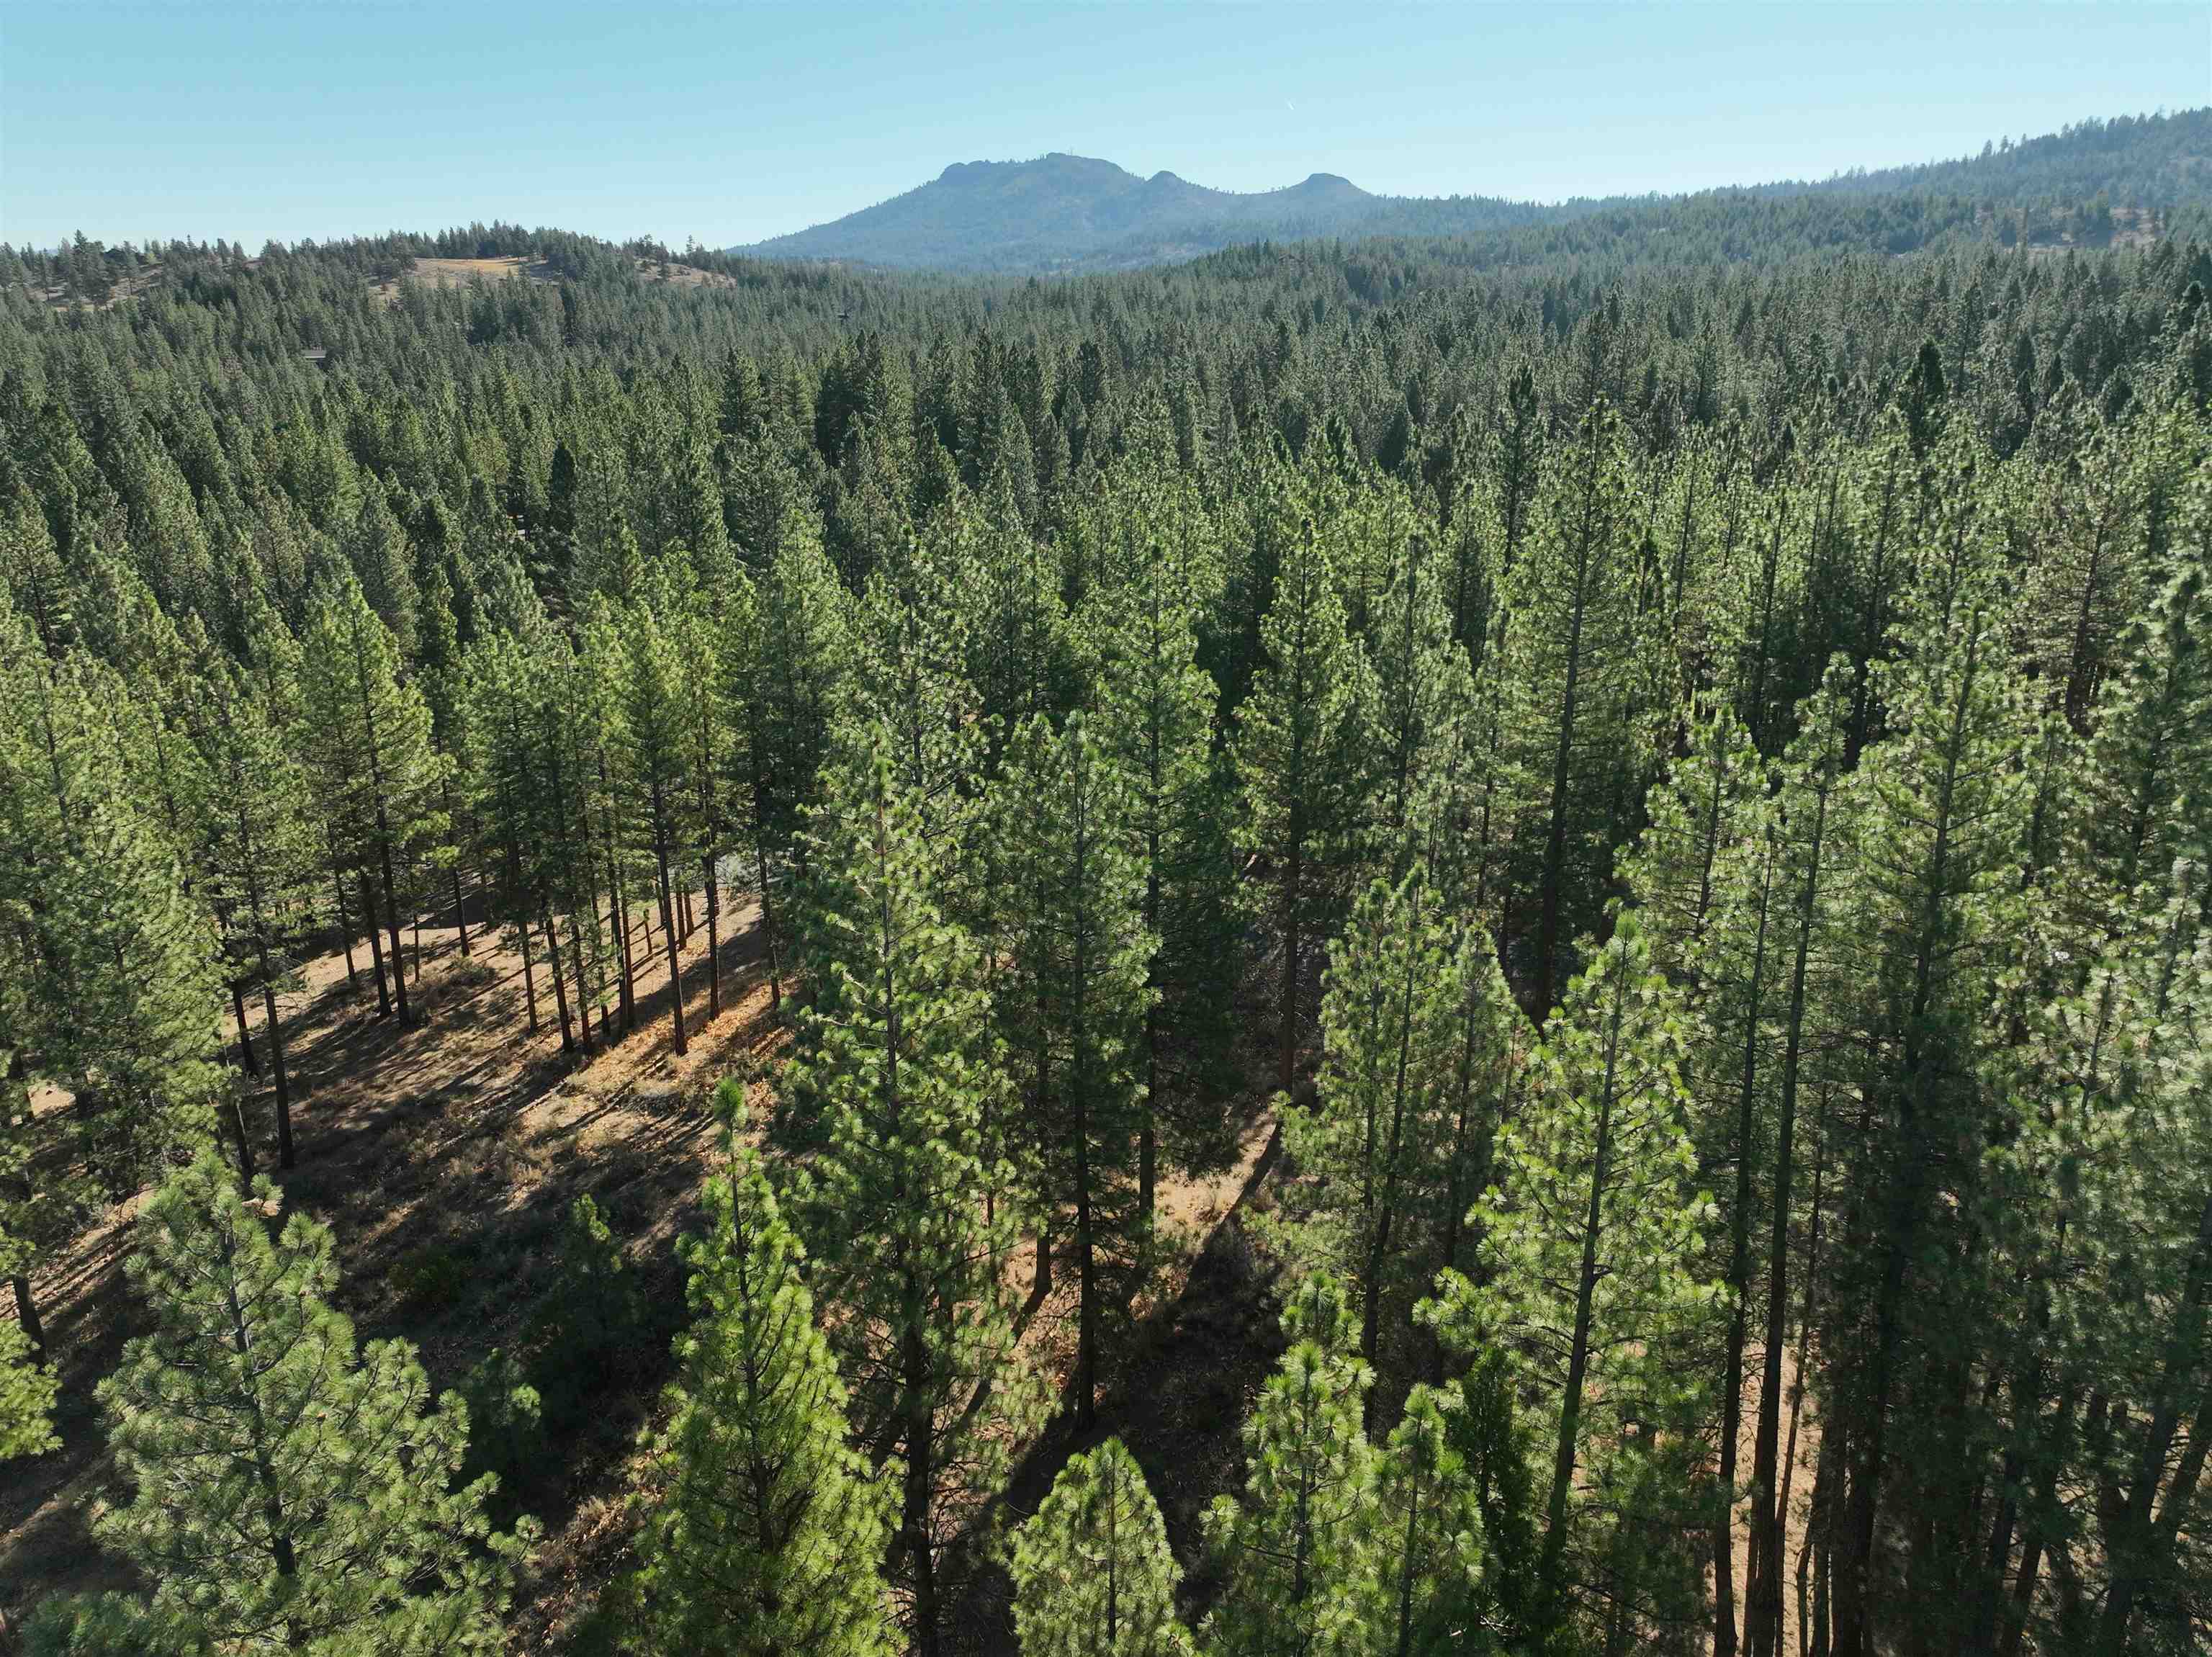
x=1060 y=211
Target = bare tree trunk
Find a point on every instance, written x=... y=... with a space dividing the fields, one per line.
x=768 y=928
x=345 y=929
x=392 y=911
x=460 y=912
x=713 y=938
x=276 y=1068
x=245 y=1041
x=27 y=1314
x=668 y=920
x=560 y=989
x=376 y=961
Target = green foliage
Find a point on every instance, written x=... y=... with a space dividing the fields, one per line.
x=1377 y=1150
x=1589 y=1272
x=288 y=1489
x=1155 y=714
x=1429 y=1534
x=507 y=1428
x=585 y=1325
x=761 y=1526
x=1806 y=639
x=1299 y=1550
x=1072 y=1000
x=111 y=1625
x=111 y=989
x=365 y=734
x=1300 y=759
x=1093 y=1573
x=909 y=1228
x=28 y=1390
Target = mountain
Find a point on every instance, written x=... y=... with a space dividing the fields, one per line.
x=1061 y=213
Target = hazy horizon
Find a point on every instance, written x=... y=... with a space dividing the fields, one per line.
x=734 y=124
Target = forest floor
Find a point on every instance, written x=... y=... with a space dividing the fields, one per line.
x=445 y=1155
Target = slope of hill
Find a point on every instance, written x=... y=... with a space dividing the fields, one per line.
x=1071 y=211
x=1074 y=213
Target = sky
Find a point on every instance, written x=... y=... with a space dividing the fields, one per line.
x=729 y=123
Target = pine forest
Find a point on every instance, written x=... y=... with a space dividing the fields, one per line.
x=1482 y=944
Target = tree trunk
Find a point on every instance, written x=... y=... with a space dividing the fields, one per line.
x=1724 y=1631
x=345 y=929
x=1763 y=1612
x=27 y=1314
x=276 y=1068
x=584 y=990
x=1293 y=874
x=713 y=938
x=233 y=1111
x=1571 y=1401
x=392 y=910
x=460 y=912
x=1086 y=1338
x=668 y=922
x=376 y=961
x=919 y=1490
x=767 y=928
x=1555 y=837
x=618 y=901
x=529 y=977
x=245 y=1041
x=560 y=988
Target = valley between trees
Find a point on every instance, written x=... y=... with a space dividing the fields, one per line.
x=1376 y=956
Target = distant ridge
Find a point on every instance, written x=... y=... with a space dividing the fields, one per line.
x=1064 y=213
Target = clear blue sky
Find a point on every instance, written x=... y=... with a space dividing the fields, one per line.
x=729 y=123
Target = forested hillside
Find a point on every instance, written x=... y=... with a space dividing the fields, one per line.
x=2087 y=184
x=1354 y=948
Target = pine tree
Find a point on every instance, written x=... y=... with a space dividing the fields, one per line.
x=367 y=738
x=2130 y=1104
x=910 y=673
x=761 y=1527
x=2147 y=777
x=1428 y=1535
x=262 y=852
x=1422 y=689
x=111 y=992
x=1072 y=1001
x=1707 y=876
x=28 y=1383
x=1695 y=816
x=504 y=718
x=1093 y=1573
x=1939 y=814
x=783 y=666
x=1300 y=758
x=656 y=692
x=1374 y=1149
x=711 y=733
x=1017 y=627
x=1155 y=713
x=898 y=1070
x=1589 y=1272
x=1576 y=660
x=1806 y=818
x=1298 y=1549
x=289 y=1491
x=613 y=838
